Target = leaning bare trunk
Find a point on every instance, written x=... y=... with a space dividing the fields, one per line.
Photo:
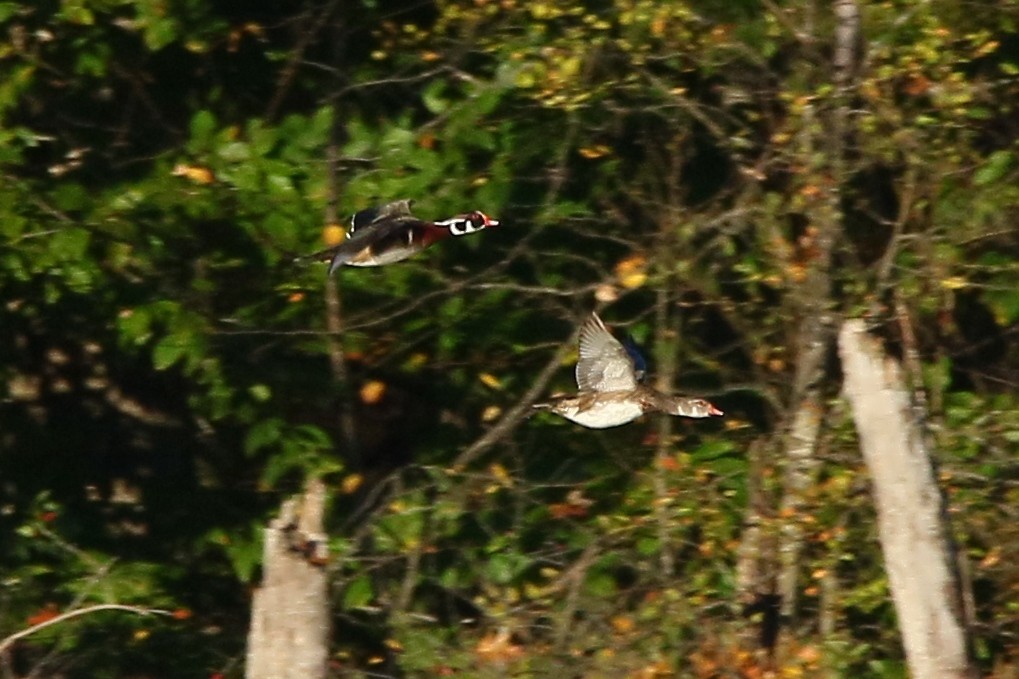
x=912 y=526
x=289 y=631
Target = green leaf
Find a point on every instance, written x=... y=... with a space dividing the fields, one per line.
x=235 y=152
x=260 y=392
x=358 y=593
x=262 y=435
x=432 y=97
x=135 y=325
x=168 y=351
x=203 y=129
x=71 y=197
x=600 y=583
x=997 y=165
x=503 y=567
x=648 y=546
x=70 y=243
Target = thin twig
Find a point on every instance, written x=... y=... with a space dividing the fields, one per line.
x=9 y=641
x=521 y=410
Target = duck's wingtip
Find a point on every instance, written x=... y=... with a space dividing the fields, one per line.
x=334 y=264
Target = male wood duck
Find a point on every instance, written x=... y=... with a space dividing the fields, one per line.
x=390 y=233
x=608 y=376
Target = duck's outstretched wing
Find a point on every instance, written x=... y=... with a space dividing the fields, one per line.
x=364 y=219
x=604 y=364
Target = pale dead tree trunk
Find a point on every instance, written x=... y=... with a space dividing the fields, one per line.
x=912 y=525
x=289 y=633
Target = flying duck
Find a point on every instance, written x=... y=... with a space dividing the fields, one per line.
x=390 y=233
x=610 y=392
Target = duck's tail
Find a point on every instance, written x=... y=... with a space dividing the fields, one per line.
x=535 y=407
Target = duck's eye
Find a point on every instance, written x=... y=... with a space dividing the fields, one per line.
x=466 y=224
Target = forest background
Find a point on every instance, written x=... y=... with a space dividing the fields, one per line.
x=724 y=179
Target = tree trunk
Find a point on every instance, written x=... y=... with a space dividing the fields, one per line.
x=814 y=297
x=912 y=524
x=289 y=633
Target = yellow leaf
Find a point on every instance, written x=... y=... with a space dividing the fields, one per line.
x=416 y=360
x=141 y=635
x=987 y=48
x=592 y=152
x=333 y=234
x=351 y=483
x=490 y=413
x=500 y=474
x=490 y=380
x=632 y=271
x=634 y=280
x=954 y=283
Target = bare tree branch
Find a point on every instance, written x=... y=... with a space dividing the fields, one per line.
x=63 y=617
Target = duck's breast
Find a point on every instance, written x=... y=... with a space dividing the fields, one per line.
x=603 y=414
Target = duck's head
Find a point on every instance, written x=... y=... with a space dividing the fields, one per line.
x=693 y=407
x=461 y=225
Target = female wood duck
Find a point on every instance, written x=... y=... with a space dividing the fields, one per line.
x=608 y=376
x=390 y=233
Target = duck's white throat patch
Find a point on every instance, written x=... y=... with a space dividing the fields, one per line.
x=461 y=226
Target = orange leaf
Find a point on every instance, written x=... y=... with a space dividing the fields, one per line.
x=427 y=141
x=498 y=647
x=197 y=174
x=623 y=624
x=48 y=612
x=991 y=558
x=669 y=464
x=372 y=392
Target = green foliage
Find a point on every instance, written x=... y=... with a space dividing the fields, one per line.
x=170 y=374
